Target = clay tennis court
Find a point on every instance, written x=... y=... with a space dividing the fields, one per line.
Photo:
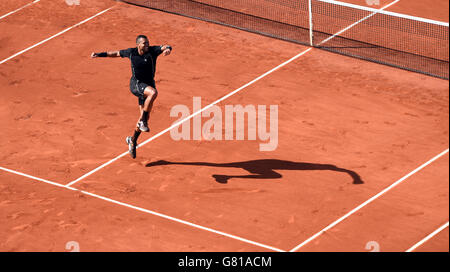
x=66 y=176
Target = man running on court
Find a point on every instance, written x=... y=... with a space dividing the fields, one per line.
x=142 y=83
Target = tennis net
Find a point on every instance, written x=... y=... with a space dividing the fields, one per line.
x=389 y=38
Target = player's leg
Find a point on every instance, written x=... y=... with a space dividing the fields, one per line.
x=137 y=130
x=150 y=95
x=141 y=110
x=132 y=140
x=132 y=145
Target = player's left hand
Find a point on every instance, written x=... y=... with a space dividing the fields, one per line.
x=167 y=50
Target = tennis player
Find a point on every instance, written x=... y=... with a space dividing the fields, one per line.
x=142 y=83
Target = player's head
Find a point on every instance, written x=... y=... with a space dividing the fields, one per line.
x=142 y=43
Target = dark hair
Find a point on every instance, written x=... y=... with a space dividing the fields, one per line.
x=141 y=37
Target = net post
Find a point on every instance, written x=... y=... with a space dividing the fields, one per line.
x=311 y=37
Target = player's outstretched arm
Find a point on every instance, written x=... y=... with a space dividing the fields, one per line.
x=166 y=50
x=111 y=54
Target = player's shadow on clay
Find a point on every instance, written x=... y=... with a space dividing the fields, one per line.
x=263 y=169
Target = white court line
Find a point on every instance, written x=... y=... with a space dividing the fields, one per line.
x=441 y=228
x=368 y=201
x=147 y=211
x=14 y=11
x=217 y=101
x=192 y=115
x=54 y=36
x=35 y=178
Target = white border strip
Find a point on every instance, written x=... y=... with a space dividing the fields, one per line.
x=192 y=115
x=390 y=13
x=368 y=201
x=147 y=211
x=441 y=228
x=14 y=11
x=56 y=35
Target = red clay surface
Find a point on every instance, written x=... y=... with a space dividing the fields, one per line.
x=40 y=217
x=63 y=114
